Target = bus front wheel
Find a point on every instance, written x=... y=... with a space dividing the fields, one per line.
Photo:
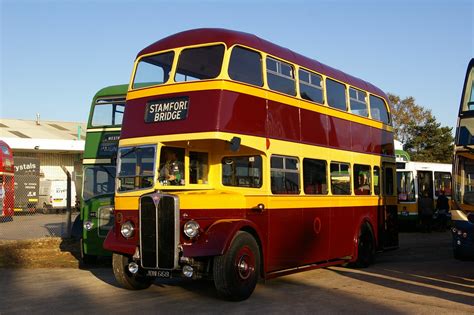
x=237 y=271
x=365 y=248
x=125 y=278
x=86 y=258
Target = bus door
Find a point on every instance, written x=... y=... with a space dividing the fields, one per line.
x=387 y=210
x=425 y=186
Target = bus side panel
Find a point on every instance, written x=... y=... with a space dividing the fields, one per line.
x=339 y=133
x=285 y=239
x=342 y=232
x=283 y=122
x=242 y=113
x=314 y=128
x=316 y=235
x=361 y=137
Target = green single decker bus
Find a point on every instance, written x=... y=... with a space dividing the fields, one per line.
x=99 y=166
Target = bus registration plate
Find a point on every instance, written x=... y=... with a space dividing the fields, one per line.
x=159 y=273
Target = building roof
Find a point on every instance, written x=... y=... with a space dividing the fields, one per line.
x=43 y=135
x=230 y=38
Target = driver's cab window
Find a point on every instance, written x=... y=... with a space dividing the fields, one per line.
x=171 y=170
x=198 y=167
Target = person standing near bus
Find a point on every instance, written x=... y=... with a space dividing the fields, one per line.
x=427 y=209
x=172 y=170
x=442 y=206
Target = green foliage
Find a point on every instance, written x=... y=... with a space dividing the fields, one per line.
x=423 y=137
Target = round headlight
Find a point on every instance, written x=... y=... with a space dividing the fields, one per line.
x=191 y=228
x=127 y=229
x=88 y=225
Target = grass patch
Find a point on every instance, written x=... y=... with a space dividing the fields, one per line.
x=50 y=252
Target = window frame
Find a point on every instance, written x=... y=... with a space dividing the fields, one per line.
x=321 y=87
x=170 y=74
x=119 y=167
x=345 y=94
x=286 y=170
x=174 y=69
x=261 y=64
x=323 y=192
x=280 y=74
x=357 y=100
x=350 y=177
x=369 y=170
x=262 y=173
x=387 y=110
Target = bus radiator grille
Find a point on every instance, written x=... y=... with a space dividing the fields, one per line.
x=157 y=232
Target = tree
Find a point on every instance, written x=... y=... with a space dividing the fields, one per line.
x=416 y=127
x=405 y=112
x=429 y=142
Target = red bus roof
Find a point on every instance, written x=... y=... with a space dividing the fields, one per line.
x=206 y=35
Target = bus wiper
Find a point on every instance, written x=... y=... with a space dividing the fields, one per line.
x=129 y=152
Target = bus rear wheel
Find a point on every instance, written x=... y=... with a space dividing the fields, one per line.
x=365 y=248
x=237 y=271
x=125 y=278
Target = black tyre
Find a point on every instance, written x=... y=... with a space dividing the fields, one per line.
x=126 y=279
x=237 y=271
x=458 y=255
x=365 y=248
x=45 y=209
x=87 y=259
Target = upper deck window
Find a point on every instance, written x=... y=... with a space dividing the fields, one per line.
x=358 y=100
x=471 y=99
x=153 y=70
x=199 y=63
x=108 y=112
x=378 y=110
x=246 y=66
x=280 y=76
x=311 y=86
x=336 y=94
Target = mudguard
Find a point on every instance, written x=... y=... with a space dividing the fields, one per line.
x=217 y=238
x=112 y=244
x=365 y=221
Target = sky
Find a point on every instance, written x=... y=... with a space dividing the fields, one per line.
x=55 y=55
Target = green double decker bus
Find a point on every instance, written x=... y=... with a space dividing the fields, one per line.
x=99 y=166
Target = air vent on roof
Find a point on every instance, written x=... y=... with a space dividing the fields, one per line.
x=18 y=134
x=58 y=127
x=3 y=126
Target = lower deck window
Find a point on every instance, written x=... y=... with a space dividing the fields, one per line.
x=171 y=170
x=285 y=175
x=362 y=179
x=198 y=167
x=242 y=171
x=340 y=179
x=314 y=177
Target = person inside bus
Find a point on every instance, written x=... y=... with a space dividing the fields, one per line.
x=426 y=209
x=363 y=186
x=171 y=169
x=442 y=207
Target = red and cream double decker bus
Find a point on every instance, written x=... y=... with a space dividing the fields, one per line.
x=239 y=159
x=7 y=182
